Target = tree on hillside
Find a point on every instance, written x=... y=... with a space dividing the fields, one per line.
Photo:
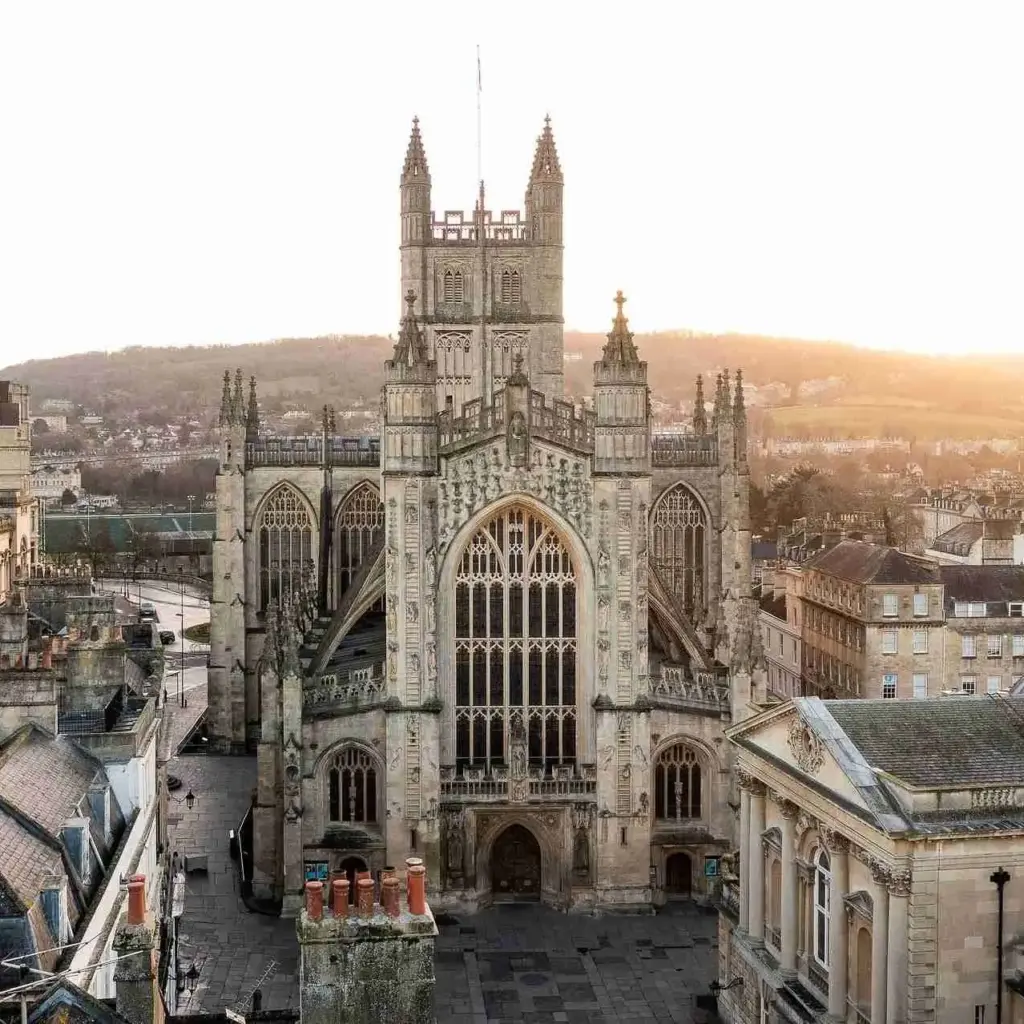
x=68 y=497
x=806 y=491
x=40 y=426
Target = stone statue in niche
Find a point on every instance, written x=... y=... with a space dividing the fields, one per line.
x=431 y=568
x=412 y=612
x=602 y=614
x=410 y=563
x=455 y=842
x=581 y=855
x=603 y=566
x=411 y=515
x=392 y=616
x=519 y=763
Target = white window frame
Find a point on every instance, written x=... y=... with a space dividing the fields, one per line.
x=1015 y=609
x=968 y=646
x=822 y=885
x=994 y=645
x=993 y=684
x=890 y=606
x=920 y=641
x=960 y=609
x=920 y=685
x=1018 y=645
x=969 y=684
x=890 y=682
x=890 y=641
x=977 y=610
x=920 y=606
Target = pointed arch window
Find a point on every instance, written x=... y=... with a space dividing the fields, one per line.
x=678 y=542
x=822 y=906
x=358 y=523
x=515 y=644
x=352 y=788
x=285 y=538
x=511 y=286
x=453 y=286
x=677 y=784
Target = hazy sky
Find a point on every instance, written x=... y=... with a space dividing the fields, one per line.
x=207 y=172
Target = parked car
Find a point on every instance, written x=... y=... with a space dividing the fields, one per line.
x=167 y=636
x=147 y=611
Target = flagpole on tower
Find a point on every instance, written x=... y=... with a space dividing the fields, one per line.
x=479 y=119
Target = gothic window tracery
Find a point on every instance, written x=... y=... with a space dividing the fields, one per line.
x=454 y=290
x=285 y=541
x=515 y=644
x=678 y=542
x=352 y=779
x=511 y=286
x=358 y=523
x=677 y=784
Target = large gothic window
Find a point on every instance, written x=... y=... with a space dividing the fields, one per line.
x=285 y=535
x=358 y=524
x=352 y=787
x=677 y=784
x=515 y=644
x=678 y=536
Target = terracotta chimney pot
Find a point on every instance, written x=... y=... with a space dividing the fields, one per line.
x=365 y=889
x=137 y=899
x=339 y=897
x=315 y=900
x=389 y=896
x=416 y=888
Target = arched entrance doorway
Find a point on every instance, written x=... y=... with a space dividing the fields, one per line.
x=679 y=875
x=515 y=866
x=352 y=868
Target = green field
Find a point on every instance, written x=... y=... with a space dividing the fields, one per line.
x=906 y=421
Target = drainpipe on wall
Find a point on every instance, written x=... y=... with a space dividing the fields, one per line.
x=999 y=879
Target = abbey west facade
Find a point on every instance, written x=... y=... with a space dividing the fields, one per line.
x=505 y=636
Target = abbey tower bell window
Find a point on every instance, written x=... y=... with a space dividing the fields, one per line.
x=453 y=286
x=515 y=644
x=285 y=532
x=677 y=784
x=511 y=287
x=352 y=788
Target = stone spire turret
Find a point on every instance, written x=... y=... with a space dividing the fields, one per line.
x=544 y=192
x=252 y=412
x=238 y=401
x=225 y=400
x=415 y=169
x=716 y=413
x=726 y=393
x=411 y=348
x=738 y=409
x=619 y=347
x=700 y=415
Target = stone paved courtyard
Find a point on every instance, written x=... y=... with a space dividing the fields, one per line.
x=530 y=964
x=514 y=963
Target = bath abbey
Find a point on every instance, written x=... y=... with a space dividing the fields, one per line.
x=505 y=636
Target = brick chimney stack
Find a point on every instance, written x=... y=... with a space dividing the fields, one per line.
x=373 y=965
x=135 y=973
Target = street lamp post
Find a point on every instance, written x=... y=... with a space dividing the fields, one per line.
x=191 y=498
x=181 y=635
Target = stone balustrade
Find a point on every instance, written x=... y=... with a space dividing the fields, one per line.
x=498 y=785
x=679 y=687
x=355 y=690
x=309 y=451
x=673 y=450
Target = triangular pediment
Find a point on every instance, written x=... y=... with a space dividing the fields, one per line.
x=803 y=739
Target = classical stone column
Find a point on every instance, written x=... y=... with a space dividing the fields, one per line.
x=790 y=889
x=755 y=857
x=744 y=853
x=838 y=927
x=879 y=941
x=896 y=975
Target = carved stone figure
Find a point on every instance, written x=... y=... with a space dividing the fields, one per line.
x=603 y=567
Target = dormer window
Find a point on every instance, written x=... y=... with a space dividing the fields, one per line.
x=453 y=286
x=511 y=287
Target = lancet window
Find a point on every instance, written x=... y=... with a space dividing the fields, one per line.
x=515 y=644
x=359 y=522
x=285 y=536
x=511 y=286
x=453 y=286
x=352 y=787
x=677 y=784
x=822 y=908
x=678 y=543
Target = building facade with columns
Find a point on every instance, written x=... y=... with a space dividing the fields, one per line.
x=507 y=634
x=872 y=835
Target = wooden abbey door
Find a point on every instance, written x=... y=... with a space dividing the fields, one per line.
x=515 y=865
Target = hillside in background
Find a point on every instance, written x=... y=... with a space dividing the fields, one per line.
x=870 y=393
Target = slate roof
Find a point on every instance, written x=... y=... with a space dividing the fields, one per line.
x=860 y=562
x=947 y=742
x=44 y=777
x=26 y=862
x=992 y=583
x=764 y=550
x=959 y=540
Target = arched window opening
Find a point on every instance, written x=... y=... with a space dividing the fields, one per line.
x=822 y=898
x=678 y=537
x=453 y=287
x=352 y=787
x=775 y=903
x=285 y=532
x=511 y=286
x=677 y=784
x=515 y=645
x=358 y=524
x=864 y=970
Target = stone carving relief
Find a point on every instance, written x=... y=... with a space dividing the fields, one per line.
x=430 y=569
x=899 y=881
x=411 y=515
x=410 y=563
x=603 y=566
x=391 y=568
x=412 y=613
x=292 y=776
x=582 y=827
x=602 y=614
x=519 y=785
x=808 y=750
x=475 y=480
x=453 y=833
